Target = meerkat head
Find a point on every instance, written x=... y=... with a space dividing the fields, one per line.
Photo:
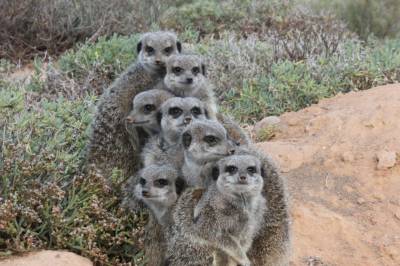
x=206 y=141
x=145 y=110
x=185 y=73
x=177 y=113
x=239 y=174
x=158 y=186
x=154 y=48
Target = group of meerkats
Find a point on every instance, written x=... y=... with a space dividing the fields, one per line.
x=213 y=198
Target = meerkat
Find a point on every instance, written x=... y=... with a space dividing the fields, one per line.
x=223 y=221
x=109 y=144
x=186 y=77
x=175 y=115
x=145 y=110
x=158 y=187
x=204 y=142
x=272 y=244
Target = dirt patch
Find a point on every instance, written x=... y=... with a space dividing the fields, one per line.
x=343 y=179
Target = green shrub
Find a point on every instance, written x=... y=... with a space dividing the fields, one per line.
x=212 y=17
x=380 y=18
x=46 y=201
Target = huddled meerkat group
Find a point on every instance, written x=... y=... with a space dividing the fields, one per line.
x=213 y=198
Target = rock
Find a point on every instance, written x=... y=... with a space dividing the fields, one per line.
x=47 y=258
x=267 y=122
x=386 y=159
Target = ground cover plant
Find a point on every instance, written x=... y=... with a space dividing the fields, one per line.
x=264 y=58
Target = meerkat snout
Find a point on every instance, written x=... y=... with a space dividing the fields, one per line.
x=177 y=113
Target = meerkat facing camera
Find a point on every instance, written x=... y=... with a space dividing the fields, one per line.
x=109 y=143
x=186 y=77
x=203 y=142
x=158 y=187
x=175 y=115
x=224 y=219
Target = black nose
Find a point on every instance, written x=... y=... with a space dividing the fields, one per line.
x=158 y=62
x=231 y=152
x=145 y=193
x=188 y=120
x=189 y=80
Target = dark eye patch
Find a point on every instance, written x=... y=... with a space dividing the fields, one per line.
x=196 y=70
x=196 y=111
x=252 y=169
x=211 y=140
x=186 y=139
x=168 y=50
x=142 y=181
x=231 y=169
x=150 y=50
x=161 y=182
x=175 y=112
x=177 y=70
x=148 y=108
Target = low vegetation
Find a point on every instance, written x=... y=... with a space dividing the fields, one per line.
x=264 y=58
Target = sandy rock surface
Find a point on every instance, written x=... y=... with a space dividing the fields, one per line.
x=48 y=258
x=342 y=162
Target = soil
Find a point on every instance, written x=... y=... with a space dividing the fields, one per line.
x=341 y=158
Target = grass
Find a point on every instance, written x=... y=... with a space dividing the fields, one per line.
x=47 y=201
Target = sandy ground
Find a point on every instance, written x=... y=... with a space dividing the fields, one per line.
x=342 y=162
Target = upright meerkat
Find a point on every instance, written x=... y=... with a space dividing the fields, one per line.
x=144 y=114
x=186 y=77
x=109 y=142
x=175 y=115
x=271 y=246
x=228 y=215
x=203 y=142
x=158 y=187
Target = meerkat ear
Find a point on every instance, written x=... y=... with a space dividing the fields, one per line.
x=139 y=47
x=215 y=173
x=179 y=46
x=186 y=139
x=159 y=117
x=263 y=173
x=203 y=69
x=180 y=185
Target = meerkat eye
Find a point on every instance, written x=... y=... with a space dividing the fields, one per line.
x=252 y=169
x=196 y=70
x=148 y=108
x=196 y=111
x=149 y=50
x=175 y=112
x=161 y=182
x=168 y=50
x=231 y=169
x=142 y=181
x=177 y=70
x=211 y=140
